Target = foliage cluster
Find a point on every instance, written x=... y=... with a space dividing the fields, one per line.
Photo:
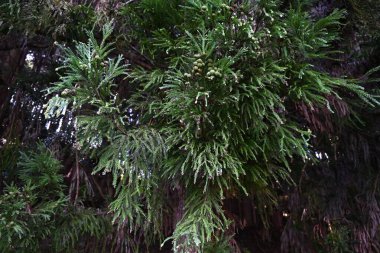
x=179 y=110
x=213 y=116
x=35 y=214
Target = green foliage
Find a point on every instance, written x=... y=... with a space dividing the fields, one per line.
x=35 y=210
x=25 y=209
x=22 y=217
x=220 y=246
x=40 y=169
x=202 y=222
x=80 y=225
x=59 y=19
x=338 y=240
x=31 y=15
x=132 y=154
x=81 y=17
x=134 y=159
x=212 y=116
x=230 y=77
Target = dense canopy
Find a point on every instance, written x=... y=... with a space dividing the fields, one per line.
x=189 y=126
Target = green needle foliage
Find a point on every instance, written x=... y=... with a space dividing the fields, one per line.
x=41 y=169
x=35 y=215
x=24 y=209
x=211 y=119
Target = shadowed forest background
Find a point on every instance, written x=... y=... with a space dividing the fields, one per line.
x=189 y=126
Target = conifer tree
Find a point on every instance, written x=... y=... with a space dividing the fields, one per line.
x=189 y=126
x=209 y=117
